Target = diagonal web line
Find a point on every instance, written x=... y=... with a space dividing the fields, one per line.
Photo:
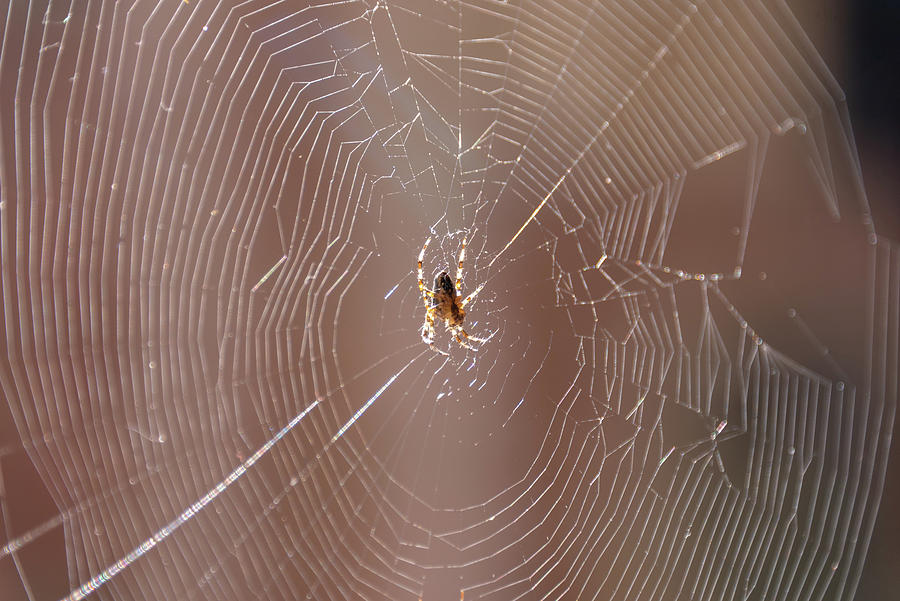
x=163 y=533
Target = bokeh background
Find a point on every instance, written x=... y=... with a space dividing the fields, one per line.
x=858 y=43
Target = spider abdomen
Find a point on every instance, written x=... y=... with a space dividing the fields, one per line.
x=456 y=314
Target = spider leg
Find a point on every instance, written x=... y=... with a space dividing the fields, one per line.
x=458 y=330
x=461 y=343
x=466 y=300
x=471 y=338
x=428 y=327
x=428 y=332
x=459 y=268
x=426 y=293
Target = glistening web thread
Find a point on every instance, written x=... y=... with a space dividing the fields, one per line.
x=215 y=384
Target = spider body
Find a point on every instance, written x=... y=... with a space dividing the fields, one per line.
x=444 y=302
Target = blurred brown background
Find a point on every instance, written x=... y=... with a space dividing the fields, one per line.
x=859 y=42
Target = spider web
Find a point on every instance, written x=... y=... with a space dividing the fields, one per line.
x=215 y=382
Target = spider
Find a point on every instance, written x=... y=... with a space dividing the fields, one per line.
x=445 y=303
